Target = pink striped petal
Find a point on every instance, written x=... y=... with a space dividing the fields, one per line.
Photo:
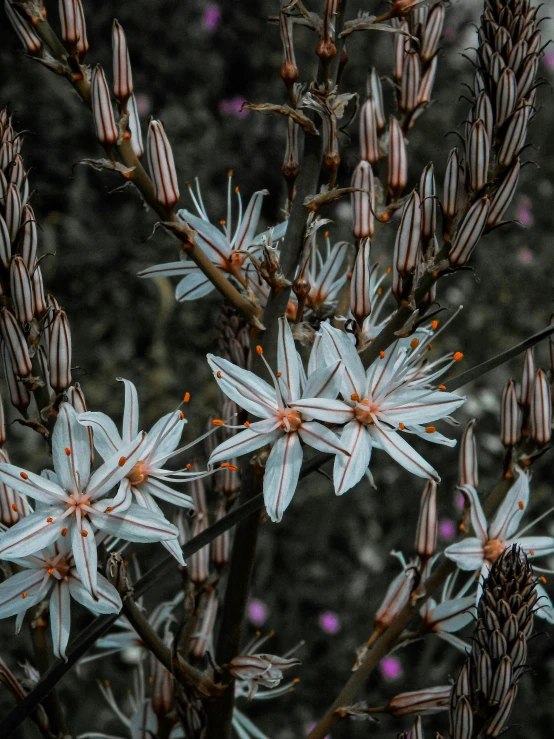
x=281 y=474
x=349 y=470
x=392 y=443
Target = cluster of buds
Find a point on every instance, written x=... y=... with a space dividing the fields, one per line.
x=483 y=695
x=496 y=128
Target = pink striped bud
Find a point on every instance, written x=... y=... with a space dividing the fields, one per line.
x=468 y=457
x=375 y=91
x=483 y=111
x=15 y=341
x=59 y=353
x=540 y=414
x=360 y=303
x=504 y=195
x=427 y=83
x=5 y=244
x=450 y=198
x=427 y=525
x=70 y=21
x=528 y=378
x=501 y=682
x=496 y=723
x=28 y=237
x=102 y=111
x=122 y=76
x=162 y=686
x=432 y=33
x=551 y=348
x=13 y=506
x=408 y=236
x=17 y=171
x=134 y=127
x=478 y=155
x=289 y=70
x=410 y=82
x=518 y=54
x=2 y=424
x=19 y=395
x=510 y=416
x=469 y=233
x=463 y=720
x=27 y=35
x=363 y=202
x=162 y=165
x=401 y=43
x=396 y=598
x=431 y=700
x=199 y=562
x=291 y=166
x=514 y=139
x=7 y=153
x=3 y=182
x=506 y=96
x=427 y=193
x=496 y=65
x=527 y=76
x=203 y=637
x=38 y=291
x=22 y=291
x=12 y=212
x=220 y=546
x=398 y=159
x=369 y=148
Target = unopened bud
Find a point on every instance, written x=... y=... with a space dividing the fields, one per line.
x=289 y=70
x=396 y=598
x=162 y=687
x=360 y=298
x=375 y=91
x=450 y=197
x=463 y=720
x=369 y=148
x=59 y=353
x=431 y=700
x=102 y=111
x=483 y=111
x=291 y=167
x=432 y=33
x=17 y=171
x=38 y=291
x=506 y=96
x=398 y=160
x=122 y=76
x=203 y=637
x=427 y=195
x=469 y=233
x=199 y=563
x=134 y=127
x=468 y=457
x=162 y=165
x=27 y=34
x=510 y=417
x=540 y=414
x=72 y=21
x=19 y=395
x=2 y=424
x=527 y=379
x=426 y=534
x=5 y=244
x=496 y=724
x=363 y=202
x=410 y=83
x=401 y=43
x=12 y=211
x=527 y=76
x=408 y=236
x=427 y=83
x=220 y=546
x=504 y=195
x=28 y=237
x=15 y=341
x=22 y=291
x=514 y=138
x=478 y=156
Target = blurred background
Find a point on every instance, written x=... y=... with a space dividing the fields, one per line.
x=320 y=574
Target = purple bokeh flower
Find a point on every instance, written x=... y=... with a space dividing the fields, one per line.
x=144 y=104
x=257 y=612
x=525 y=255
x=390 y=667
x=524 y=212
x=447 y=529
x=232 y=106
x=211 y=17
x=329 y=622
x=312 y=726
x=549 y=59
x=459 y=501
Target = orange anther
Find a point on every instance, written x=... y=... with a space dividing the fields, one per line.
x=233 y=467
x=109 y=508
x=543 y=579
x=24 y=475
x=186 y=398
x=389 y=270
x=189 y=467
x=429 y=347
x=382 y=355
x=279 y=374
x=247 y=424
x=414 y=343
x=379 y=290
x=222 y=223
x=230 y=173
x=520 y=505
x=354 y=396
x=150 y=679
x=532 y=552
x=23 y=594
x=68 y=451
x=326 y=234
x=457 y=356
x=434 y=325
x=63 y=532
x=296 y=680
x=84 y=533
x=217 y=422
x=181 y=415
x=225 y=464
x=49 y=519
x=14 y=507
x=385 y=218
x=442 y=387
x=401 y=426
x=122 y=461
x=430 y=429
x=218 y=375
x=237 y=189
x=107 y=683
x=259 y=349
x=50 y=570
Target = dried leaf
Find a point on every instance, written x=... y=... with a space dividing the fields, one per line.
x=108 y=164
x=303 y=121
x=314 y=202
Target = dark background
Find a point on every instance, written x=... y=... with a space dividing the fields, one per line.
x=329 y=554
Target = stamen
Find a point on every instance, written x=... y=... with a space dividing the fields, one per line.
x=354 y=396
x=50 y=570
x=247 y=424
x=434 y=325
x=442 y=387
x=181 y=415
x=218 y=422
x=49 y=519
x=14 y=507
x=68 y=451
x=430 y=429
x=401 y=426
x=222 y=222
x=24 y=594
x=457 y=356
x=24 y=475
x=237 y=189
x=532 y=552
x=186 y=398
x=63 y=531
x=109 y=508
x=279 y=374
x=233 y=467
x=84 y=533
x=414 y=343
x=521 y=505
x=218 y=375
x=379 y=290
x=122 y=461
x=389 y=270
x=382 y=355
x=543 y=579
x=225 y=464
x=188 y=467
x=260 y=350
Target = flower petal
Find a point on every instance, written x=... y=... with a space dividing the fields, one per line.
x=477 y=515
x=109 y=600
x=324 y=409
x=339 y=346
x=249 y=223
x=451 y=615
x=208 y=238
x=172 y=545
x=242 y=443
x=35 y=486
x=287 y=362
x=281 y=474
x=130 y=426
x=545 y=608
x=135 y=524
x=30 y=534
x=325 y=382
x=60 y=617
x=70 y=450
x=420 y=407
x=349 y=470
x=12 y=600
x=332 y=265
x=321 y=438
x=399 y=449
x=116 y=468
x=514 y=505
x=193 y=286
x=244 y=387
x=164 y=436
x=107 y=440
x=170 y=269
x=83 y=546
x=536 y=546
x=468 y=554
x=159 y=490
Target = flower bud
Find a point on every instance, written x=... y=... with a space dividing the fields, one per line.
x=526 y=79
x=504 y=195
x=5 y=244
x=289 y=70
x=463 y=720
x=410 y=82
x=162 y=165
x=468 y=457
x=427 y=83
x=122 y=77
x=28 y=238
x=551 y=348
x=450 y=199
x=202 y=638
x=162 y=686
x=13 y=507
x=518 y=54
x=19 y=395
x=2 y=424
x=483 y=111
x=59 y=353
x=506 y=96
x=478 y=156
x=432 y=33
x=540 y=414
x=514 y=138
x=134 y=127
x=72 y=21
x=7 y=153
x=369 y=148
x=27 y=35
x=363 y=202
x=291 y=167
x=398 y=160
x=469 y=233
x=426 y=534
x=375 y=91
x=102 y=111
x=360 y=304
x=16 y=343
x=401 y=41
x=527 y=379
x=430 y=700
x=17 y=171
x=427 y=195
x=12 y=213
x=38 y=291
x=76 y=398
x=220 y=546
x=22 y=291
x=408 y=235
x=396 y=598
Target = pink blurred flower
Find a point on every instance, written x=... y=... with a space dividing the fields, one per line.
x=144 y=104
x=312 y=726
x=257 y=612
x=524 y=213
x=447 y=529
x=525 y=255
x=329 y=622
x=549 y=59
x=390 y=667
x=459 y=501
x=211 y=17
x=232 y=106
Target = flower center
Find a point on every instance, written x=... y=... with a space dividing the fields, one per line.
x=364 y=411
x=138 y=474
x=292 y=420
x=78 y=500
x=493 y=549
x=57 y=567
